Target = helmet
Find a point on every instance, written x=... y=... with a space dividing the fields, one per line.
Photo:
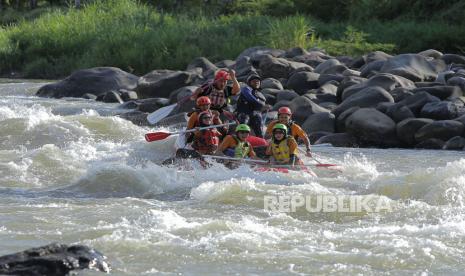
x=281 y=127
x=243 y=127
x=222 y=75
x=285 y=110
x=204 y=100
x=253 y=77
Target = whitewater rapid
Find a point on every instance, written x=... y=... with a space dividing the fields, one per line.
x=72 y=172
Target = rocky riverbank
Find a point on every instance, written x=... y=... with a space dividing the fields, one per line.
x=377 y=100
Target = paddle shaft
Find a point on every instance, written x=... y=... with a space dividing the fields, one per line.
x=202 y=128
x=236 y=159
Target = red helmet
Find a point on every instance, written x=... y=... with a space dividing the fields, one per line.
x=285 y=110
x=222 y=75
x=204 y=100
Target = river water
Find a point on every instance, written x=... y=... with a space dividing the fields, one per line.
x=72 y=173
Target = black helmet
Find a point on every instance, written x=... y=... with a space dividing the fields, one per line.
x=253 y=77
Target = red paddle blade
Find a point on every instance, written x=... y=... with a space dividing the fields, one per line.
x=326 y=165
x=156 y=136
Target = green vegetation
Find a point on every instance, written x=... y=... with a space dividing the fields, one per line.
x=52 y=41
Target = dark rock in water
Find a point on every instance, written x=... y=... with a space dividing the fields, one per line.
x=95 y=81
x=128 y=95
x=303 y=81
x=442 y=92
x=416 y=102
x=183 y=94
x=341 y=119
x=413 y=67
x=279 y=67
x=407 y=128
x=136 y=117
x=315 y=135
x=53 y=260
x=440 y=110
x=160 y=83
x=453 y=58
x=399 y=112
x=443 y=130
x=320 y=122
x=112 y=97
x=338 y=140
x=431 y=143
x=271 y=83
x=372 y=128
x=177 y=120
x=152 y=104
x=302 y=107
x=455 y=143
x=368 y=97
x=89 y=96
x=286 y=95
x=129 y=105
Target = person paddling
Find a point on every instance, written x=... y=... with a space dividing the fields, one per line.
x=294 y=130
x=283 y=147
x=203 y=105
x=236 y=145
x=250 y=105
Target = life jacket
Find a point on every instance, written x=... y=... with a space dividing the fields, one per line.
x=207 y=142
x=217 y=97
x=241 y=150
x=280 y=150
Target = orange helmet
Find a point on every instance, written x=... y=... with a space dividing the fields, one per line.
x=204 y=100
x=285 y=110
x=222 y=75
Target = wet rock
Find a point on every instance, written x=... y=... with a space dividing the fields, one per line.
x=136 y=117
x=444 y=76
x=441 y=92
x=152 y=104
x=368 y=97
x=302 y=82
x=413 y=67
x=351 y=73
x=129 y=105
x=341 y=119
x=370 y=57
x=279 y=67
x=128 y=95
x=112 y=97
x=53 y=260
x=320 y=122
x=326 y=97
x=160 y=83
x=457 y=82
x=328 y=88
x=243 y=68
x=328 y=105
x=346 y=83
x=258 y=53
x=89 y=96
x=455 y=143
x=271 y=83
x=440 y=110
x=416 y=102
x=302 y=107
x=443 y=130
x=431 y=143
x=227 y=63
x=407 y=128
x=175 y=121
x=96 y=81
x=372 y=128
x=339 y=140
x=181 y=96
x=316 y=135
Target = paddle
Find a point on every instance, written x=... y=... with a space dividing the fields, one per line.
x=236 y=159
x=156 y=136
x=320 y=164
x=161 y=113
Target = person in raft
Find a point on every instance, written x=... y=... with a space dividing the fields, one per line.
x=219 y=92
x=284 y=117
x=250 y=105
x=236 y=146
x=283 y=147
x=203 y=105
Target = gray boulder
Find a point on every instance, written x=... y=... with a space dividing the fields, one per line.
x=431 y=143
x=271 y=83
x=330 y=66
x=407 y=128
x=293 y=52
x=399 y=112
x=128 y=95
x=325 y=78
x=368 y=97
x=302 y=107
x=202 y=62
x=301 y=82
x=341 y=119
x=443 y=130
x=152 y=104
x=455 y=143
x=112 y=97
x=416 y=102
x=136 y=117
x=339 y=140
x=442 y=92
x=315 y=135
x=320 y=122
x=372 y=128
x=431 y=53
x=286 y=95
x=413 y=67
x=182 y=95
x=160 y=83
x=279 y=67
x=457 y=82
x=400 y=94
x=453 y=58
x=440 y=110
x=372 y=68
x=258 y=53
x=96 y=81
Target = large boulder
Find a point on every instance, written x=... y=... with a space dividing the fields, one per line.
x=271 y=83
x=431 y=143
x=181 y=96
x=407 y=128
x=416 y=102
x=457 y=81
x=152 y=104
x=202 y=62
x=257 y=53
x=320 y=122
x=53 y=260
x=334 y=78
x=339 y=140
x=302 y=82
x=302 y=107
x=330 y=66
x=136 y=117
x=160 y=83
x=443 y=130
x=399 y=112
x=286 y=95
x=400 y=94
x=279 y=67
x=315 y=135
x=96 y=81
x=370 y=57
x=341 y=119
x=293 y=52
x=455 y=143
x=453 y=58
x=441 y=110
x=371 y=68
x=414 y=67
x=368 y=97
x=431 y=53
x=442 y=92
x=372 y=128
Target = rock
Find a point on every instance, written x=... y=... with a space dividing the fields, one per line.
x=279 y=67
x=258 y=53
x=372 y=128
x=440 y=111
x=320 y=122
x=89 y=96
x=346 y=83
x=328 y=105
x=53 y=260
x=302 y=107
x=341 y=119
x=370 y=57
x=175 y=121
x=407 y=128
x=152 y=104
x=244 y=68
x=128 y=95
x=227 y=63
x=325 y=78
x=413 y=67
x=443 y=130
x=339 y=140
x=399 y=112
x=431 y=143
x=453 y=58
x=136 y=117
x=460 y=119
x=271 y=83
x=328 y=88
x=444 y=76
x=383 y=107
x=400 y=94
x=372 y=68
x=112 y=97
x=442 y=92
x=325 y=66
x=312 y=58
x=160 y=83
x=351 y=73
x=345 y=60
x=202 y=62
x=95 y=81
x=286 y=95
x=326 y=97
x=368 y=97
x=455 y=143
x=315 y=135
x=302 y=82
x=293 y=52
x=180 y=95
x=457 y=82
x=416 y=102
x=431 y=53
x=129 y=105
